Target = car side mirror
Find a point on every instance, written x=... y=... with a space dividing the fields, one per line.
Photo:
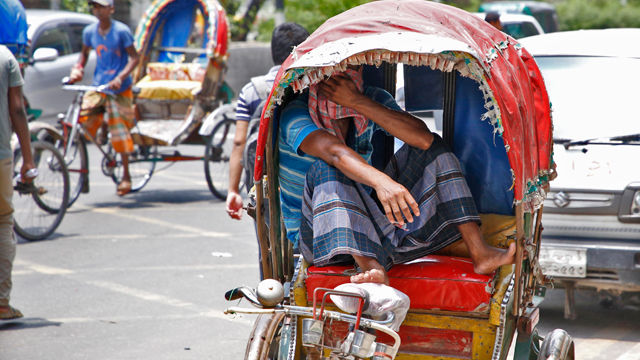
x=44 y=54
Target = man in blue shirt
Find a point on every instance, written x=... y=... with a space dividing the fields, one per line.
x=117 y=57
x=337 y=208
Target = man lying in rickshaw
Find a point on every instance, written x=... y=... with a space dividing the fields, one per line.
x=338 y=208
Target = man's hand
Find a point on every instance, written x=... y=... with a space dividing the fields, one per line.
x=396 y=201
x=26 y=166
x=234 y=205
x=115 y=83
x=77 y=73
x=342 y=90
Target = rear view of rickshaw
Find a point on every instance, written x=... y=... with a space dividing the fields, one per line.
x=177 y=84
x=495 y=118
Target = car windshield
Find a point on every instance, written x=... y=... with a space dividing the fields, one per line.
x=592 y=97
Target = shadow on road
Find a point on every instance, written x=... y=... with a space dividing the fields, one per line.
x=26 y=323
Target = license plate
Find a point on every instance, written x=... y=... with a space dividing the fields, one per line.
x=563 y=262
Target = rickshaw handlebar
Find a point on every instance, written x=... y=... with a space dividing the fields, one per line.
x=68 y=85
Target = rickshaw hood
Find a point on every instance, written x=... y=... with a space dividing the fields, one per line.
x=521 y=110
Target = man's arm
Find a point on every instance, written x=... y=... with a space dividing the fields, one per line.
x=134 y=59
x=395 y=198
x=404 y=126
x=20 y=125
x=77 y=71
x=234 y=200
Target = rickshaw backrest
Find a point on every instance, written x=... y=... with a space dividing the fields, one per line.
x=481 y=153
x=180 y=16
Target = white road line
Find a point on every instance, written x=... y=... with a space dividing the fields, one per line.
x=42 y=268
x=119 y=319
x=54 y=271
x=631 y=354
x=183 y=178
x=186 y=228
x=138 y=293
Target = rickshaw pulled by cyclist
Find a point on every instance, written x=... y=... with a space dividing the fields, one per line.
x=179 y=81
x=495 y=119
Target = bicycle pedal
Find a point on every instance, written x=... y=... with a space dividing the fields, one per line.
x=26 y=188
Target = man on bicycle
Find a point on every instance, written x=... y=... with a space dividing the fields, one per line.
x=117 y=57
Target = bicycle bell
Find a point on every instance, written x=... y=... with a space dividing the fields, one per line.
x=270 y=292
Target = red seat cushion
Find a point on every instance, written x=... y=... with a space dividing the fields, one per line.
x=432 y=283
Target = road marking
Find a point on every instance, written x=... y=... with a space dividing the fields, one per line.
x=119 y=319
x=43 y=268
x=138 y=293
x=186 y=228
x=631 y=354
x=599 y=345
x=183 y=178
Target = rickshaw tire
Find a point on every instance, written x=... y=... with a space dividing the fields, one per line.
x=147 y=152
x=61 y=210
x=262 y=336
x=214 y=153
x=558 y=345
x=82 y=185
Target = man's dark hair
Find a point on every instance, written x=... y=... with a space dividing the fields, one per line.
x=284 y=38
x=492 y=16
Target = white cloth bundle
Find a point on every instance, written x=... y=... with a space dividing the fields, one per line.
x=382 y=299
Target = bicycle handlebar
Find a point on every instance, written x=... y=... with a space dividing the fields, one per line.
x=68 y=85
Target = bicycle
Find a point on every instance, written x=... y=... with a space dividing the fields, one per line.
x=40 y=205
x=142 y=161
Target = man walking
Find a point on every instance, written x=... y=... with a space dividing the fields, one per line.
x=12 y=115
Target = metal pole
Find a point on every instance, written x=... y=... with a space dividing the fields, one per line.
x=280 y=17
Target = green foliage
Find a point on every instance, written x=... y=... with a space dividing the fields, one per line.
x=81 y=6
x=598 y=14
x=235 y=23
x=310 y=14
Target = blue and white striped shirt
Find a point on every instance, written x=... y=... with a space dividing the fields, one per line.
x=295 y=125
x=248 y=100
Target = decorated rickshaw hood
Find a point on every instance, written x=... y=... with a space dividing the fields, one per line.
x=217 y=30
x=516 y=99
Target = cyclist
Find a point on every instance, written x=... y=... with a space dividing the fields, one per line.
x=117 y=57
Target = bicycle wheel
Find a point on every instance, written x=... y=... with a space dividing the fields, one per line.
x=216 y=158
x=142 y=163
x=77 y=160
x=39 y=208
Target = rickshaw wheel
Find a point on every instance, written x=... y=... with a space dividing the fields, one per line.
x=216 y=158
x=142 y=163
x=265 y=339
x=558 y=345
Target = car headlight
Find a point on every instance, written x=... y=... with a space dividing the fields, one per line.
x=635 y=205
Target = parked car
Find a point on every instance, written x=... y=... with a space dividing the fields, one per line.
x=591 y=235
x=518 y=26
x=544 y=12
x=56 y=42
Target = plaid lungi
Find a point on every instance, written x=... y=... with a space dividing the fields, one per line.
x=120 y=118
x=341 y=218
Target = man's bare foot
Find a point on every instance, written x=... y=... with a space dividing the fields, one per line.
x=376 y=276
x=124 y=187
x=491 y=258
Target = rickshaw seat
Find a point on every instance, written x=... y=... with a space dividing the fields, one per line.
x=167 y=89
x=440 y=282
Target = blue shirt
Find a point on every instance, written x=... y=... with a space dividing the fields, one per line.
x=295 y=125
x=111 y=52
x=249 y=99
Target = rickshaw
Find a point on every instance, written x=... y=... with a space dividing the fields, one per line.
x=177 y=84
x=496 y=118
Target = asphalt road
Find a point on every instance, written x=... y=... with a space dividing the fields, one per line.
x=143 y=277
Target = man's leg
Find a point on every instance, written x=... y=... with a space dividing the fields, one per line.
x=7 y=239
x=337 y=227
x=120 y=113
x=447 y=208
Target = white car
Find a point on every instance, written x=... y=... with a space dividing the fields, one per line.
x=56 y=42
x=518 y=26
x=591 y=216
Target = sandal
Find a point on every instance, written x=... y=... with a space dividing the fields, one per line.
x=124 y=188
x=11 y=314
